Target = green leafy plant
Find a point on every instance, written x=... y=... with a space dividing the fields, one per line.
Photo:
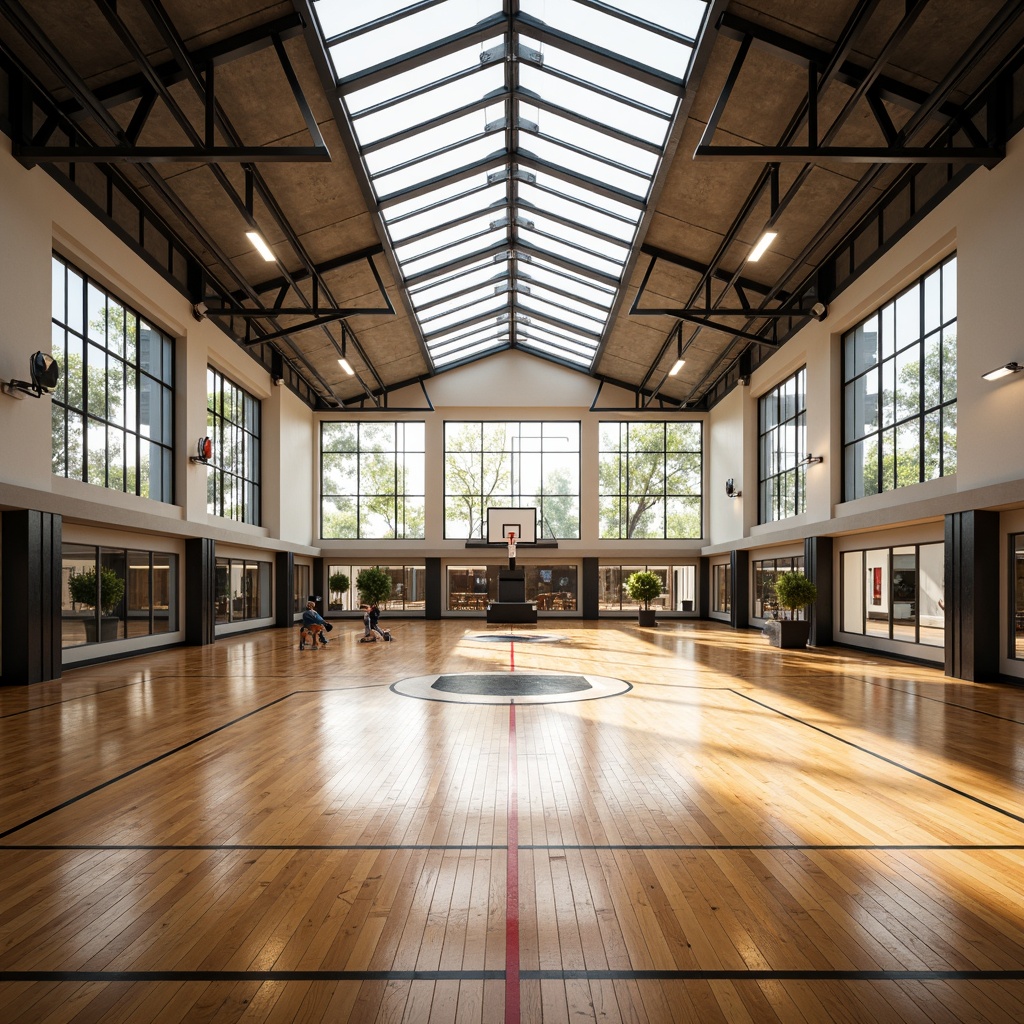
x=82 y=587
x=644 y=587
x=338 y=583
x=374 y=585
x=794 y=591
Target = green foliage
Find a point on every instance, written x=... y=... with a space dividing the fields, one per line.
x=650 y=480
x=643 y=587
x=794 y=591
x=374 y=585
x=82 y=587
x=338 y=583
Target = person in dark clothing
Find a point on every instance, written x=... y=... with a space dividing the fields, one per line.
x=313 y=626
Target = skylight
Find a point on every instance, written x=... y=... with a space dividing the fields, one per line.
x=511 y=156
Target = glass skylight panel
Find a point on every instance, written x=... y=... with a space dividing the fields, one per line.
x=427 y=104
x=425 y=243
x=511 y=238
x=586 y=166
x=572 y=285
x=395 y=181
x=596 y=106
x=408 y=81
x=601 y=76
x=560 y=312
x=365 y=50
x=617 y=35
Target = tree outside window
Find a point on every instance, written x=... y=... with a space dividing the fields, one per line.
x=512 y=464
x=650 y=480
x=372 y=480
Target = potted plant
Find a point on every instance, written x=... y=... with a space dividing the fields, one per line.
x=793 y=591
x=644 y=587
x=83 y=587
x=374 y=585
x=337 y=584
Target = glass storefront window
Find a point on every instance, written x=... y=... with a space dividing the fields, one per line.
x=243 y=590
x=721 y=587
x=554 y=588
x=1017 y=578
x=148 y=603
x=895 y=593
x=678 y=587
x=766 y=572
x=408 y=587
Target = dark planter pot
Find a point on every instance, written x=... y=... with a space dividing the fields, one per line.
x=787 y=633
x=647 y=616
x=107 y=629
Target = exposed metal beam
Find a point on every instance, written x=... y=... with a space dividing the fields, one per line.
x=856 y=154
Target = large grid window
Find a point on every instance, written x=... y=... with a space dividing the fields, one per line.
x=678 y=587
x=782 y=446
x=511 y=464
x=766 y=572
x=233 y=423
x=408 y=587
x=113 y=410
x=721 y=587
x=899 y=393
x=372 y=480
x=650 y=480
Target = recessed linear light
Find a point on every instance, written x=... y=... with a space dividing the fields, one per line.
x=346 y=366
x=676 y=367
x=762 y=243
x=260 y=246
x=1002 y=371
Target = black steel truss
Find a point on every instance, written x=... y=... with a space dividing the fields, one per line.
x=152 y=84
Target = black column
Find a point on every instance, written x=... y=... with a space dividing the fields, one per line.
x=200 y=591
x=972 y=595
x=31 y=562
x=818 y=568
x=590 y=589
x=432 y=589
x=704 y=588
x=284 y=587
x=739 y=614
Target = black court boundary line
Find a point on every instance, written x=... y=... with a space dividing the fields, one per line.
x=537 y=847
x=620 y=974
x=882 y=757
x=141 y=767
x=86 y=696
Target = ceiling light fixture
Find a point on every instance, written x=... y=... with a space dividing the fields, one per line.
x=1002 y=371
x=343 y=361
x=762 y=244
x=260 y=245
x=680 y=361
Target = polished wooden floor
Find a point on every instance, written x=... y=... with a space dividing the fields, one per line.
x=248 y=832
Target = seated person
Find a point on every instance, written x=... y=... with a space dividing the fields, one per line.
x=371 y=630
x=313 y=626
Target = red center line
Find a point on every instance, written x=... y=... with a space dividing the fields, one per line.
x=512 y=656
x=512 y=879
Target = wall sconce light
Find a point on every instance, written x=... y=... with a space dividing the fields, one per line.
x=810 y=460
x=730 y=489
x=45 y=374
x=204 y=452
x=199 y=311
x=1002 y=371
x=819 y=311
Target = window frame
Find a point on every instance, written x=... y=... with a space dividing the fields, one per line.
x=516 y=496
x=402 y=499
x=226 y=432
x=789 y=466
x=859 y=443
x=623 y=474
x=73 y=333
